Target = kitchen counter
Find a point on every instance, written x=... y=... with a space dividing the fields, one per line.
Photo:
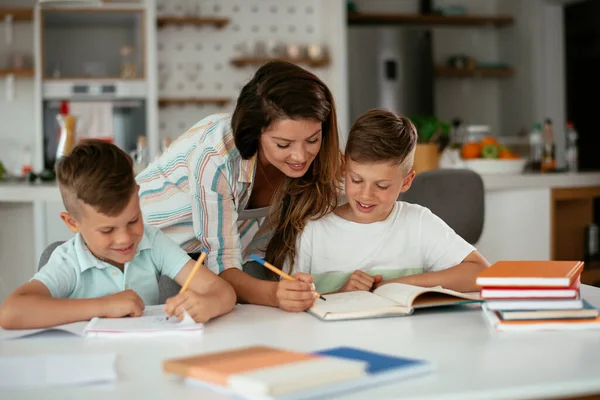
x=548 y=180
x=28 y=192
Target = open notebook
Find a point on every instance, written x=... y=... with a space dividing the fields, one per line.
x=154 y=322
x=393 y=299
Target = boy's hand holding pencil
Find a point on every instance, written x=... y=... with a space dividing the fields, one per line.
x=195 y=304
x=293 y=293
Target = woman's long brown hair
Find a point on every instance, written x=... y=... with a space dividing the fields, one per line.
x=282 y=90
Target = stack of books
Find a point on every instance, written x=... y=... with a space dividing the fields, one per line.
x=267 y=373
x=536 y=295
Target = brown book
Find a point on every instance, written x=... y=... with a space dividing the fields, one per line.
x=560 y=274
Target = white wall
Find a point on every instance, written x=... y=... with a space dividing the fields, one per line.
x=535 y=45
x=475 y=101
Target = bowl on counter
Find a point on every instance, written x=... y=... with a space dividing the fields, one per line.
x=495 y=166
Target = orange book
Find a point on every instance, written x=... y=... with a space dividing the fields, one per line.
x=560 y=274
x=265 y=371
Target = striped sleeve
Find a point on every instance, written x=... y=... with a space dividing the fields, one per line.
x=214 y=213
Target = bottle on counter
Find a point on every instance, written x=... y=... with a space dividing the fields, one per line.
x=67 y=138
x=536 y=148
x=549 y=155
x=140 y=159
x=572 y=153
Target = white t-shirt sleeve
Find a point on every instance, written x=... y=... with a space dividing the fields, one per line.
x=443 y=248
x=304 y=245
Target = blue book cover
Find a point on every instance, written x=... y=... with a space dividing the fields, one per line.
x=377 y=363
x=381 y=369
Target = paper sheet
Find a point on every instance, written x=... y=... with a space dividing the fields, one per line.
x=76 y=328
x=154 y=321
x=79 y=328
x=54 y=370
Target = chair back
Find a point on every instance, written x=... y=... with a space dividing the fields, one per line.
x=455 y=195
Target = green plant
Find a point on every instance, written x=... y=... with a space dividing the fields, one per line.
x=430 y=129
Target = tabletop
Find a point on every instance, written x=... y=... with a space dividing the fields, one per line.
x=472 y=361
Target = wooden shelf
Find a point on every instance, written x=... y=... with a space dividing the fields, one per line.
x=219 y=101
x=355 y=18
x=246 y=61
x=19 y=14
x=449 y=72
x=18 y=73
x=216 y=22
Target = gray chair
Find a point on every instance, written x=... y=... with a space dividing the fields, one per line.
x=167 y=287
x=454 y=195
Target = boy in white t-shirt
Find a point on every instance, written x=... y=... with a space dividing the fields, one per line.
x=375 y=239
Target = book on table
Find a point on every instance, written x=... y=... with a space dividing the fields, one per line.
x=392 y=299
x=548 y=274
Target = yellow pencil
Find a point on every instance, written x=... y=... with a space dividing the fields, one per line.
x=194 y=270
x=277 y=271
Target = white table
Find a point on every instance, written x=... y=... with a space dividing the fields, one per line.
x=472 y=361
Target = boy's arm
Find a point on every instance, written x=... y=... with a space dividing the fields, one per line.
x=460 y=277
x=217 y=295
x=31 y=306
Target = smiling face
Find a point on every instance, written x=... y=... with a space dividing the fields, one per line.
x=291 y=145
x=373 y=188
x=111 y=239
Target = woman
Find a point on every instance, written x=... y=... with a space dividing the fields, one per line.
x=280 y=150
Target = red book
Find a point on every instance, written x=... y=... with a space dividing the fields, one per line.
x=517 y=292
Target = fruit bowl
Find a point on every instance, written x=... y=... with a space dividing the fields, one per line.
x=484 y=166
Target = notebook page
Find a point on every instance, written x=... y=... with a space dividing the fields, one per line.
x=154 y=321
x=406 y=294
x=350 y=303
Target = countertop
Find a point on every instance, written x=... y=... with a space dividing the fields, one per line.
x=539 y=180
x=29 y=192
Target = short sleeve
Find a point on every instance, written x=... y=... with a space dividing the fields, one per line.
x=214 y=212
x=59 y=274
x=443 y=248
x=304 y=245
x=168 y=257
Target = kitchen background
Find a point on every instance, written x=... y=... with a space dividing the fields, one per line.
x=151 y=68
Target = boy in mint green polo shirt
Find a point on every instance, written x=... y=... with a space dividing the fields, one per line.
x=111 y=267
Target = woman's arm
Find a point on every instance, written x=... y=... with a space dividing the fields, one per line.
x=294 y=296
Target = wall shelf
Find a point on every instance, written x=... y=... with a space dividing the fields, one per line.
x=449 y=72
x=18 y=73
x=218 y=23
x=357 y=18
x=246 y=61
x=219 y=101
x=18 y=14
